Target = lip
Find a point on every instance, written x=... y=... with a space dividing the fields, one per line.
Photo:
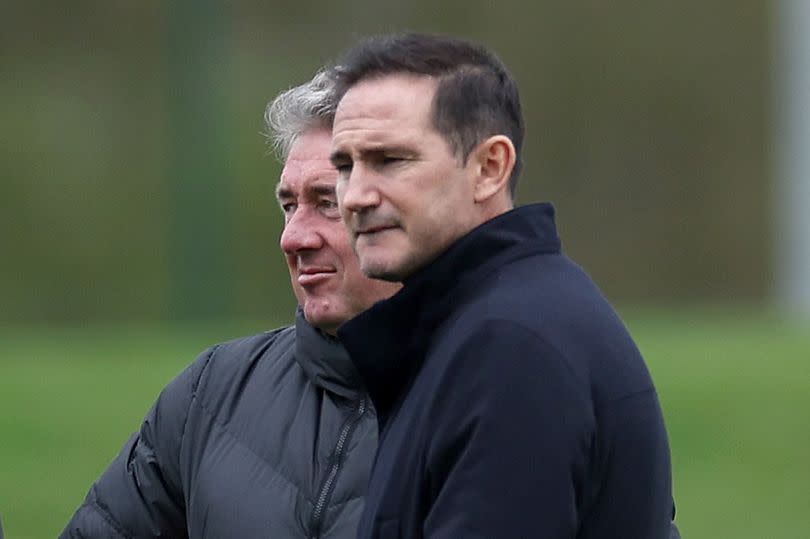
x=310 y=276
x=373 y=230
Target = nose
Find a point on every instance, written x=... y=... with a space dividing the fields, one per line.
x=359 y=191
x=300 y=233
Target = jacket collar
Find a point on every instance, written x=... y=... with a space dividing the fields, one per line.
x=389 y=341
x=325 y=360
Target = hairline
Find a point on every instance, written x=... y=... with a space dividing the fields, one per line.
x=299 y=109
x=457 y=146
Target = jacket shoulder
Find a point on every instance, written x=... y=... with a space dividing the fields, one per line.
x=234 y=360
x=265 y=343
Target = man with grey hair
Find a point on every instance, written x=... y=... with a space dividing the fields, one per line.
x=269 y=435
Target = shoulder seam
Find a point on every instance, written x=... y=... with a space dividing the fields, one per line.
x=526 y=329
x=534 y=334
x=634 y=394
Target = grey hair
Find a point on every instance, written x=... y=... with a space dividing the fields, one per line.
x=291 y=113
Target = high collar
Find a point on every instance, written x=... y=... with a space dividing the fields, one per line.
x=388 y=342
x=325 y=360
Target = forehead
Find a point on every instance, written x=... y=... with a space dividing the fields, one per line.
x=308 y=163
x=398 y=100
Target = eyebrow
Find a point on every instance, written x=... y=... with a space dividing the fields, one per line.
x=340 y=156
x=323 y=190
x=283 y=192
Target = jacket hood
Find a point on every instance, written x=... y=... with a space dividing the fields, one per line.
x=325 y=361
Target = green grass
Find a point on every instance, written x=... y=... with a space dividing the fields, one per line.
x=735 y=389
x=736 y=394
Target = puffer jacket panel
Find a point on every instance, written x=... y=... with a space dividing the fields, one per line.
x=275 y=463
x=265 y=436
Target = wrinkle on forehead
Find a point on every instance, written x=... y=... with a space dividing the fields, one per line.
x=313 y=185
x=308 y=165
x=308 y=169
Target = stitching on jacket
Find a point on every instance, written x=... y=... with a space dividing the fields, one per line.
x=271 y=465
x=347 y=501
x=560 y=353
x=634 y=394
x=193 y=396
x=194 y=387
x=101 y=511
x=273 y=336
x=516 y=324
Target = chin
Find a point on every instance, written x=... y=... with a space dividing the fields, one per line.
x=382 y=273
x=383 y=263
x=386 y=270
x=323 y=317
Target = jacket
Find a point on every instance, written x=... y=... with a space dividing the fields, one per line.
x=267 y=436
x=511 y=400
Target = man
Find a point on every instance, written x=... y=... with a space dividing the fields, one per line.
x=511 y=400
x=271 y=435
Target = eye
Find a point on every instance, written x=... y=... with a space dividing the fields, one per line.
x=329 y=207
x=391 y=161
x=288 y=207
x=342 y=164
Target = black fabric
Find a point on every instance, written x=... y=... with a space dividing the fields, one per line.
x=512 y=402
x=244 y=443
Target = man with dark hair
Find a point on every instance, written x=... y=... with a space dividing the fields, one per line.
x=271 y=435
x=474 y=99
x=512 y=401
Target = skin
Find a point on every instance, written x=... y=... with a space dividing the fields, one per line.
x=324 y=270
x=404 y=195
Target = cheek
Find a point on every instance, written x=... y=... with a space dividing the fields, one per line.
x=291 y=261
x=299 y=293
x=443 y=211
x=437 y=204
x=341 y=247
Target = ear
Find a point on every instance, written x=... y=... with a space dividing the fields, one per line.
x=493 y=161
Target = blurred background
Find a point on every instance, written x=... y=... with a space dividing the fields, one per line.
x=138 y=223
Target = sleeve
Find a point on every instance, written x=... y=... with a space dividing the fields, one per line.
x=140 y=494
x=514 y=441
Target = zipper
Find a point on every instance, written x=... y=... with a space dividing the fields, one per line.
x=337 y=459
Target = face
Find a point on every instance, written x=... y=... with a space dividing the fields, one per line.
x=404 y=195
x=324 y=271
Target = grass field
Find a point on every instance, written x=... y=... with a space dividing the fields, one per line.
x=735 y=389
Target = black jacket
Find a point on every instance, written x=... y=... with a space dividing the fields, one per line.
x=267 y=436
x=512 y=402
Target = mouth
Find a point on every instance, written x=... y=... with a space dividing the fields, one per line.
x=370 y=231
x=311 y=276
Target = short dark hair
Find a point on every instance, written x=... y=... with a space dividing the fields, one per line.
x=476 y=96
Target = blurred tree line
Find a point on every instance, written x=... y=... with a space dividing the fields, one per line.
x=135 y=183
